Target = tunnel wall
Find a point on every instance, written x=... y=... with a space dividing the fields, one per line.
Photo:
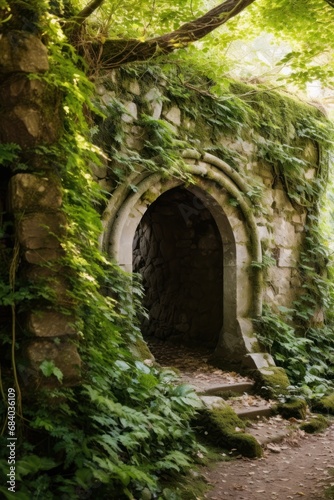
x=178 y=252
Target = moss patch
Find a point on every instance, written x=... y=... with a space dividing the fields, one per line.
x=223 y=427
x=271 y=382
x=317 y=424
x=295 y=408
x=325 y=405
x=140 y=350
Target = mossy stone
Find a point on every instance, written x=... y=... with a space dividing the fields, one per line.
x=295 y=408
x=326 y=404
x=271 y=382
x=317 y=424
x=219 y=427
x=140 y=350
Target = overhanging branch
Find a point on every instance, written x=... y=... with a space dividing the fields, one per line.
x=114 y=53
x=86 y=12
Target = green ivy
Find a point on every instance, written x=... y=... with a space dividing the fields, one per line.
x=127 y=424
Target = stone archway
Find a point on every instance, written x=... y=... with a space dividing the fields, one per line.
x=178 y=251
x=215 y=183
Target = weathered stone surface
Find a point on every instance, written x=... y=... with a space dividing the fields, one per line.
x=22 y=122
x=43 y=255
x=28 y=127
x=50 y=324
x=213 y=402
x=98 y=171
x=132 y=112
x=41 y=230
x=30 y=191
x=281 y=201
x=21 y=51
x=154 y=97
x=288 y=257
x=136 y=139
x=53 y=278
x=284 y=233
x=174 y=116
x=134 y=87
x=64 y=355
x=259 y=360
x=20 y=88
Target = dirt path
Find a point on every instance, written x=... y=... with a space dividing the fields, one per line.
x=301 y=469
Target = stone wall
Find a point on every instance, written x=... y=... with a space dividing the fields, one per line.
x=248 y=225
x=31 y=196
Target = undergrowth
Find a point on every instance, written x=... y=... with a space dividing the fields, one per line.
x=126 y=428
x=127 y=424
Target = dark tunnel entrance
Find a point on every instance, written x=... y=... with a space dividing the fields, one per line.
x=178 y=251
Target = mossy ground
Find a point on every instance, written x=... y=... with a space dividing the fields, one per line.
x=223 y=427
x=329 y=493
x=326 y=404
x=317 y=424
x=296 y=408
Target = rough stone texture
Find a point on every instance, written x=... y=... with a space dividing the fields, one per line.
x=99 y=171
x=50 y=324
x=28 y=192
x=41 y=230
x=30 y=116
x=134 y=87
x=174 y=115
x=52 y=277
x=154 y=97
x=30 y=111
x=19 y=88
x=131 y=114
x=27 y=127
x=64 y=355
x=43 y=255
x=22 y=52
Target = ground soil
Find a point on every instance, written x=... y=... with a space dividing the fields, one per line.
x=300 y=466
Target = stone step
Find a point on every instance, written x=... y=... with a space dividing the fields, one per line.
x=254 y=412
x=238 y=388
x=270 y=430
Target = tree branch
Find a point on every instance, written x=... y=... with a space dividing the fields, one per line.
x=86 y=12
x=114 y=53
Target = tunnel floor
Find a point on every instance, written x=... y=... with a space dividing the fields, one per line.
x=192 y=364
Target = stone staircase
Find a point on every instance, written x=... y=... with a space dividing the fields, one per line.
x=217 y=387
x=239 y=395
x=262 y=422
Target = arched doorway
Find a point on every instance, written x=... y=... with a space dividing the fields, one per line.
x=215 y=185
x=178 y=251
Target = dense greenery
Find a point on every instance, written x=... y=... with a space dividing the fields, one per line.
x=127 y=426
x=128 y=423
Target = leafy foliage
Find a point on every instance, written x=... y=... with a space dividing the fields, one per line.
x=305 y=353
x=127 y=424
